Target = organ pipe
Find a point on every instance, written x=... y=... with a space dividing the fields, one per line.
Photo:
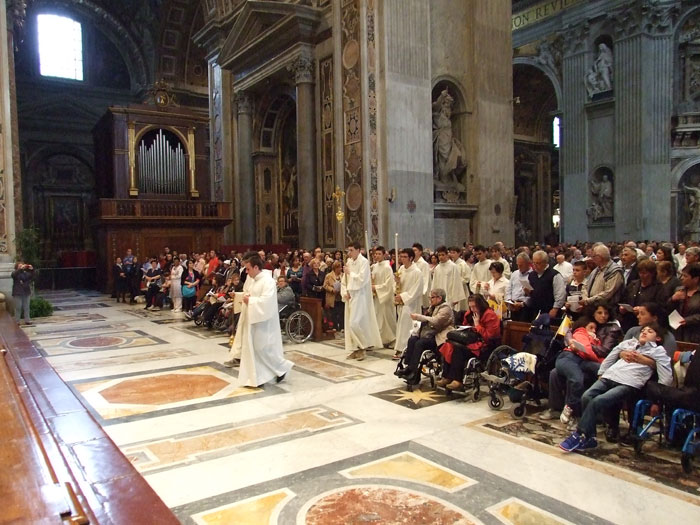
x=161 y=164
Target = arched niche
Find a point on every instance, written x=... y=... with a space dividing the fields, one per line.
x=688 y=203
x=450 y=157
x=601 y=195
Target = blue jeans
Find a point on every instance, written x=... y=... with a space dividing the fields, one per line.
x=22 y=303
x=603 y=396
x=575 y=372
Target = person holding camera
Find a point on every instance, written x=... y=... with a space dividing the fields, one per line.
x=22 y=277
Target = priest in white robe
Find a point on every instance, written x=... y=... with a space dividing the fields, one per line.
x=446 y=276
x=424 y=267
x=411 y=297
x=383 y=289
x=258 y=339
x=361 y=330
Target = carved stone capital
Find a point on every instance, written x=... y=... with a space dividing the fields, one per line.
x=644 y=17
x=574 y=38
x=303 y=69
x=16 y=13
x=244 y=102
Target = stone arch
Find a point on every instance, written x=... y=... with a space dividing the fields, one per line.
x=549 y=72
x=536 y=166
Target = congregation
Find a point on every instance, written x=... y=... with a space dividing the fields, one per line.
x=629 y=308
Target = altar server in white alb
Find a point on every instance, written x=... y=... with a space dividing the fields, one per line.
x=361 y=330
x=446 y=276
x=411 y=297
x=258 y=339
x=383 y=288
x=423 y=266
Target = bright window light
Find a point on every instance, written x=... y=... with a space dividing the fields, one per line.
x=60 y=47
x=555 y=132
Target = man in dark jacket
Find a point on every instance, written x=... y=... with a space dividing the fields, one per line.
x=21 y=290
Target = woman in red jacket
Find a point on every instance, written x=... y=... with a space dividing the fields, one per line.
x=487 y=324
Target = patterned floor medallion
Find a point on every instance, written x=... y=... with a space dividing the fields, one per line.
x=383 y=504
x=105 y=341
x=420 y=397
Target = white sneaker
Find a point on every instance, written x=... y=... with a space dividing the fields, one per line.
x=572 y=425
x=566 y=414
x=549 y=414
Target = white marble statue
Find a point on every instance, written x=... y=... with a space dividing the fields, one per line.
x=599 y=77
x=692 y=208
x=449 y=159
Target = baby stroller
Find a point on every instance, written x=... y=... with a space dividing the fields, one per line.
x=523 y=376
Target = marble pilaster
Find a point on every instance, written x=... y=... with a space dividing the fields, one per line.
x=244 y=183
x=303 y=69
x=405 y=125
x=221 y=156
x=8 y=211
x=493 y=94
x=574 y=181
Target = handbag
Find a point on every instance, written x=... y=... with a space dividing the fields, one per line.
x=188 y=291
x=463 y=337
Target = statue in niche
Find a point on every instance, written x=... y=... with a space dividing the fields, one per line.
x=692 y=206
x=602 y=197
x=449 y=159
x=598 y=78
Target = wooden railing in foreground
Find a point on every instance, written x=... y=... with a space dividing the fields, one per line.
x=57 y=464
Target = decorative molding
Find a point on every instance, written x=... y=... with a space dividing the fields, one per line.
x=326 y=76
x=352 y=114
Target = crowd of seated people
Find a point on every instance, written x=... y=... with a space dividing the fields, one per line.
x=620 y=297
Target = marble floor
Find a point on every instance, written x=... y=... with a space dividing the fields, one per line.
x=337 y=442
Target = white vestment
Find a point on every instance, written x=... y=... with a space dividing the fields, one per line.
x=361 y=330
x=384 y=289
x=258 y=339
x=424 y=267
x=480 y=274
x=446 y=275
x=465 y=271
x=412 y=297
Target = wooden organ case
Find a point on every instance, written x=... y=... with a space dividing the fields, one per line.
x=153 y=185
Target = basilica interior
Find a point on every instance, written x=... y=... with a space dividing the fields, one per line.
x=237 y=124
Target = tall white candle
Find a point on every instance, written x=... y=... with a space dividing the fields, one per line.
x=396 y=251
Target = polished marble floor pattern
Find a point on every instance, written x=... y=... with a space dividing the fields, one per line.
x=337 y=442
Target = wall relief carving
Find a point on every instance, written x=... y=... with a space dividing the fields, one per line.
x=602 y=196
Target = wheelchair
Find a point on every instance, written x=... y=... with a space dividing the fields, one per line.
x=430 y=366
x=682 y=421
x=476 y=366
x=295 y=323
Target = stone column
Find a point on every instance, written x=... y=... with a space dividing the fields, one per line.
x=244 y=183
x=303 y=69
x=7 y=139
x=573 y=177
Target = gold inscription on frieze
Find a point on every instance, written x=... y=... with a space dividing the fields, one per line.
x=540 y=12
